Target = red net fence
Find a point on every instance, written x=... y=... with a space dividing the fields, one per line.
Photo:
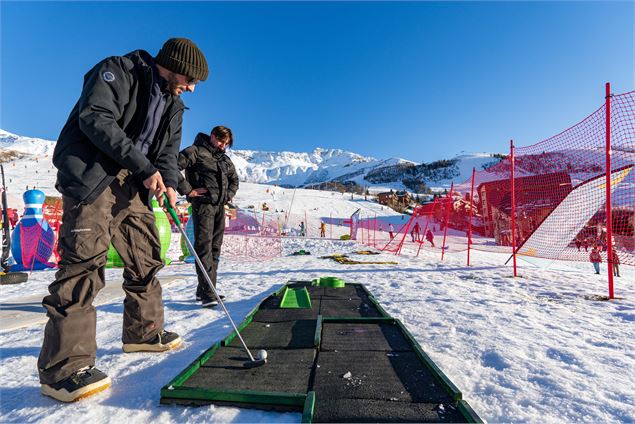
x=557 y=198
x=252 y=235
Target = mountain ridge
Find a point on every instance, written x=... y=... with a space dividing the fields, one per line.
x=307 y=169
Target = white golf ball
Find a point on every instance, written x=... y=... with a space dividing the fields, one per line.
x=262 y=354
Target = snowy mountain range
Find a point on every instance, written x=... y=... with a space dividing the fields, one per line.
x=301 y=169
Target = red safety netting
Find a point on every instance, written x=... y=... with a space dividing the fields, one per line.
x=252 y=235
x=558 y=201
x=424 y=230
x=53 y=215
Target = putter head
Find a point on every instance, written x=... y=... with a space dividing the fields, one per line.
x=254 y=364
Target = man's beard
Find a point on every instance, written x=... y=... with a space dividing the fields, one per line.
x=172 y=84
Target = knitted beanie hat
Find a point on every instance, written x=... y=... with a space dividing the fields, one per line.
x=182 y=56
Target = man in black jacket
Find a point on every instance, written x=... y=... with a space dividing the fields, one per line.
x=117 y=149
x=210 y=183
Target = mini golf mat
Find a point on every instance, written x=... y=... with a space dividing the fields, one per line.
x=298 y=334
x=348 y=308
x=281 y=315
x=368 y=337
x=342 y=360
x=366 y=252
x=394 y=376
x=218 y=377
x=225 y=371
x=301 y=252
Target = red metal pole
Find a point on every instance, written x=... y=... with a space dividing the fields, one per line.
x=513 y=186
x=469 y=220
x=361 y=224
x=447 y=219
x=375 y=232
x=423 y=237
x=609 y=218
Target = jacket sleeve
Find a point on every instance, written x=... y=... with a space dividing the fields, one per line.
x=232 y=180
x=166 y=162
x=187 y=157
x=101 y=106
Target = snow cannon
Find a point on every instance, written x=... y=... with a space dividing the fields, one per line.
x=189 y=231
x=33 y=239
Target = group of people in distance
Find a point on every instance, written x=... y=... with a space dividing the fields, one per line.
x=598 y=245
x=120 y=147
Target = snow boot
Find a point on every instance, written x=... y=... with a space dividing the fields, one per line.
x=209 y=300
x=82 y=383
x=163 y=341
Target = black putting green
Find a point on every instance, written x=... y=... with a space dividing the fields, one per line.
x=282 y=315
x=342 y=360
x=348 y=308
x=359 y=336
x=286 y=371
x=394 y=376
x=298 y=334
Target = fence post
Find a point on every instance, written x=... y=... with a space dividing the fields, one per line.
x=609 y=218
x=375 y=231
x=513 y=220
x=447 y=219
x=469 y=220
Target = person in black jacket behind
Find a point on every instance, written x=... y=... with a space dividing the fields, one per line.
x=210 y=183
x=117 y=149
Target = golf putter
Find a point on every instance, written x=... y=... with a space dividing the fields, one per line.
x=261 y=357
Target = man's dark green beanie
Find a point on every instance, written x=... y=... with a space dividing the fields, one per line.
x=182 y=56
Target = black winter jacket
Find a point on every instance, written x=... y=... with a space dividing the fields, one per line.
x=99 y=136
x=208 y=167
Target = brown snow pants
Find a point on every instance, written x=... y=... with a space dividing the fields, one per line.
x=119 y=216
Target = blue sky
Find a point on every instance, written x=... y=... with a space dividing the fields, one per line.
x=418 y=80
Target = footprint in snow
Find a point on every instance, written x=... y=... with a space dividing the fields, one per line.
x=492 y=359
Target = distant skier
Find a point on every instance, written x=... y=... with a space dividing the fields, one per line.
x=430 y=237
x=585 y=244
x=302 y=229
x=595 y=259
x=391 y=231
x=578 y=243
x=322 y=229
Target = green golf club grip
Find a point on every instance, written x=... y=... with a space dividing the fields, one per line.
x=166 y=204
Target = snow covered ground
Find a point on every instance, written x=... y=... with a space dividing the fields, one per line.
x=531 y=349
x=536 y=348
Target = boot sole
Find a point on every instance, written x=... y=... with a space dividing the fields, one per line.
x=84 y=392
x=141 y=347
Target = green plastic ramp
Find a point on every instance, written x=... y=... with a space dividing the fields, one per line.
x=295 y=298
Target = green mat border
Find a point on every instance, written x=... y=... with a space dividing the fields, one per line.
x=309 y=408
